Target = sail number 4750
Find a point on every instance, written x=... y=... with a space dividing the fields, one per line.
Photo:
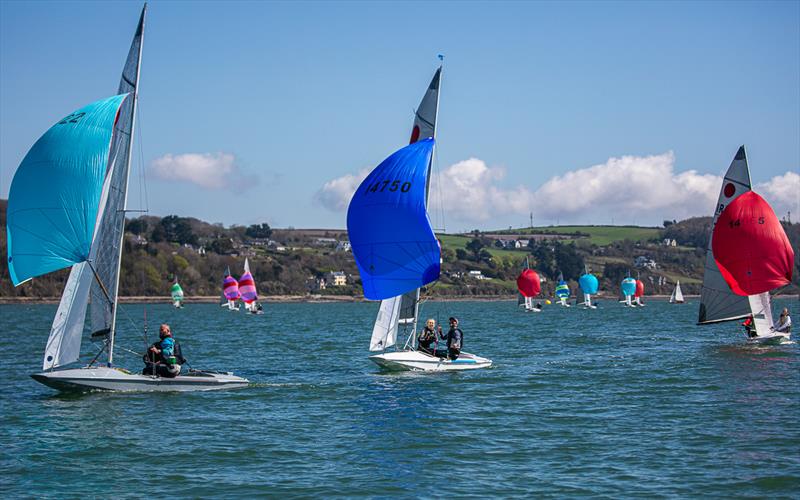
x=381 y=186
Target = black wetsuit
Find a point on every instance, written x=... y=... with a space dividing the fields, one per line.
x=455 y=342
x=154 y=363
x=426 y=338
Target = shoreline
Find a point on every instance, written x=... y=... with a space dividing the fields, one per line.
x=313 y=299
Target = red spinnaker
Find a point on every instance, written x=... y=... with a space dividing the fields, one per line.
x=639 y=289
x=751 y=248
x=528 y=283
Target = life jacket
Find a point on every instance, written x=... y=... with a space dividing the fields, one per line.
x=168 y=351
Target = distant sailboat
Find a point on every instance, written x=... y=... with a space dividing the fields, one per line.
x=394 y=245
x=589 y=285
x=76 y=219
x=751 y=256
x=247 y=289
x=677 y=294
x=628 y=290
x=529 y=287
x=177 y=294
x=230 y=291
x=562 y=291
x=639 y=293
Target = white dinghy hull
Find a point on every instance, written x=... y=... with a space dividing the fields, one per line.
x=420 y=361
x=774 y=339
x=102 y=378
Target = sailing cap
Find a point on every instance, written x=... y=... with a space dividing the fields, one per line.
x=453 y=319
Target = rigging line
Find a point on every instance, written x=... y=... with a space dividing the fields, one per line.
x=142 y=171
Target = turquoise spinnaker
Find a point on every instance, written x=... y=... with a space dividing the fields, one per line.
x=588 y=283
x=628 y=286
x=391 y=236
x=56 y=191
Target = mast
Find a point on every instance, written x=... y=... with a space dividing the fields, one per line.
x=437 y=82
x=128 y=153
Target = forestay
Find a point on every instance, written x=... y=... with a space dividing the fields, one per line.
x=391 y=236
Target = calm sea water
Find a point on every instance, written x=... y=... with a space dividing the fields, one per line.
x=612 y=403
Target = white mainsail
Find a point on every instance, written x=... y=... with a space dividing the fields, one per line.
x=677 y=294
x=384 y=333
x=761 y=309
x=424 y=127
x=717 y=301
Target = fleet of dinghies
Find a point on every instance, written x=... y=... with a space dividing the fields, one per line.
x=76 y=221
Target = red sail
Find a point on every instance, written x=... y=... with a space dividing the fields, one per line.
x=528 y=283
x=751 y=248
x=639 y=289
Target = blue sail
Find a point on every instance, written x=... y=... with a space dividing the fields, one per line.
x=628 y=286
x=562 y=290
x=392 y=240
x=55 y=195
x=588 y=283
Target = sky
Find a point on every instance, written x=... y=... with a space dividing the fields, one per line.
x=576 y=112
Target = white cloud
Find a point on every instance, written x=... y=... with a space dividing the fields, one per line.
x=645 y=189
x=645 y=185
x=467 y=192
x=783 y=193
x=207 y=170
x=335 y=194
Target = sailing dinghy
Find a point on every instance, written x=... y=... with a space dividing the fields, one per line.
x=529 y=286
x=177 y=294
x=589 y=285
x=748 y=256
x=628 y=290
x=76 y=220
x=395 y=248
x=639 y=293
x=562 y=291
x=677 y=294
x=230 y=292
x=247 y=289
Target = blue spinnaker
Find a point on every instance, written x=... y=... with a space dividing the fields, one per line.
x=628 y=286
x=562 y=290
x=391 y=236
x=55 y=195
x=588 y=283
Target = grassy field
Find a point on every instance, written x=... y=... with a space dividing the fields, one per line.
x=453 y=242
x=598 y=235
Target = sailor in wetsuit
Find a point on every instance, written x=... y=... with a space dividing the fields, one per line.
x=428 y=336
x=455 y=339
x=164 y=358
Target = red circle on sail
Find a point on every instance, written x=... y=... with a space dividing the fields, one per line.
x=414 y=134
x=528 y=283
x=730 y=190
x=750 y=247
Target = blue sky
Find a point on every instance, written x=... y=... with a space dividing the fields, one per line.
x=581 y=112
